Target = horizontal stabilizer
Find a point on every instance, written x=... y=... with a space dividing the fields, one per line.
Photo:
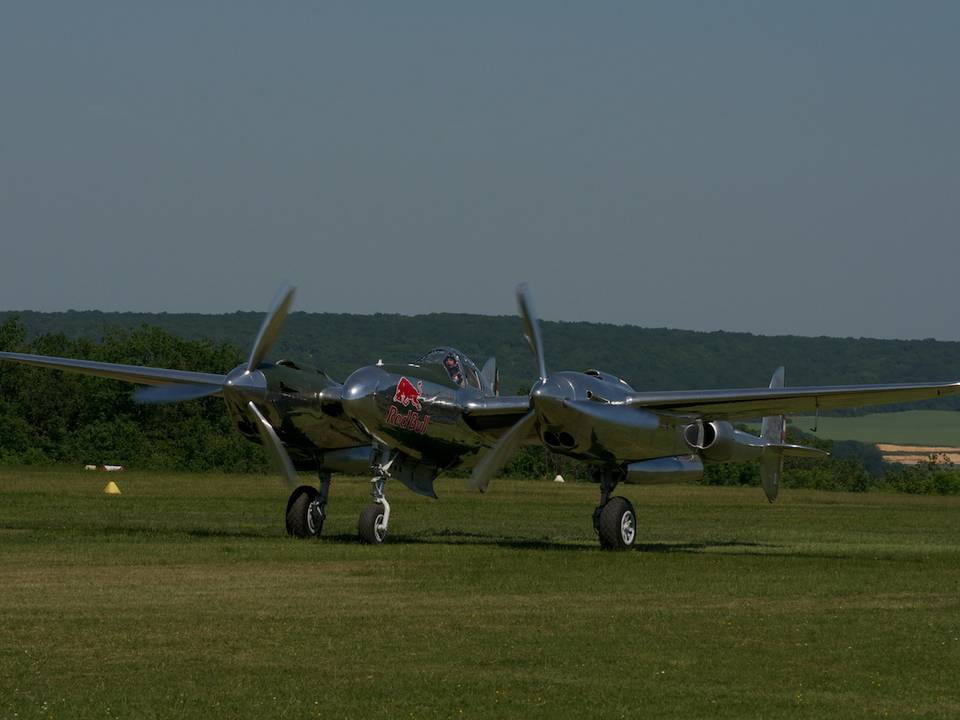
x=797 y=451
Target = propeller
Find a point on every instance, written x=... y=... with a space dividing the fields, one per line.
x=507 y=445
x=274 y=447
x=271 y=326
x=241 y=384
x=504 y=449
x=238 y=378
x=531 y=329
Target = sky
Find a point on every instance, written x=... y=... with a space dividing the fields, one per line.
x=771 y=167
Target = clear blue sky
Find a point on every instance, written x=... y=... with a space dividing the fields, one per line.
x=771 y=167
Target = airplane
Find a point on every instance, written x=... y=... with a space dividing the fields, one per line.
x=666 y=436
x=410 y=422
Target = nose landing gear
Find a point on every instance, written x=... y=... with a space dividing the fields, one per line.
x=375 y=518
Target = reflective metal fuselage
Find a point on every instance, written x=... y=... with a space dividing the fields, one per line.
x=310 y=427
x=414 y=409
x=418 y=411
x=581 y=415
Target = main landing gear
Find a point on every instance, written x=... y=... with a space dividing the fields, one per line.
x=614 y=519
x=307 y=508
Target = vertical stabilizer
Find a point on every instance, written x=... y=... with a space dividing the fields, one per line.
x=773 y=430
x=491 y=376
x=774 y=427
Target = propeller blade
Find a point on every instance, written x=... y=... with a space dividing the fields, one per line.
x=271 y=326
x=504 y=449
x=531 y=328
x=156 y=394
x=273 y=446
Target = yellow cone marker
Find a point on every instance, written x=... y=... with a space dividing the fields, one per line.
x=111 y=488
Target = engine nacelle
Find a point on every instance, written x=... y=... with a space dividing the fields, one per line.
x=719 y=441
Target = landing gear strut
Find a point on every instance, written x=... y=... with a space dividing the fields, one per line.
x=614 y=519
x=375 y=518
x=307 y=508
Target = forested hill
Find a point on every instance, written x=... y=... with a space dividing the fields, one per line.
x=648 y=358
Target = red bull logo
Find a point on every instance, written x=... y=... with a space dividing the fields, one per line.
x=408 y=394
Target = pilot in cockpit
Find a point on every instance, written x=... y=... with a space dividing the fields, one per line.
x=453 y=369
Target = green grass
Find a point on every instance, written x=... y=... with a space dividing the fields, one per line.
x=182 y=598
x=911 y=427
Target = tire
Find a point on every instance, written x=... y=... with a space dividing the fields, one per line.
x=304 y=515
x=618 y=524
x=367 y=527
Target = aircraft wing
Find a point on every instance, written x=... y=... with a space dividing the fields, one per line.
x=496 y=414
x=116 y=371
x=756 y=402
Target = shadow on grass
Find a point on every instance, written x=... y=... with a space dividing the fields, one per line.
x=461 y=537
x=672 y=547
x=739 y=548
x=457 y=537
x=136 y=531
x=20 y=533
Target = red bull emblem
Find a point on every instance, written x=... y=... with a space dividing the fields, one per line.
x=408 y=394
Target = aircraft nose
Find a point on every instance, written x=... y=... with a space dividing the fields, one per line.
x=359 y=393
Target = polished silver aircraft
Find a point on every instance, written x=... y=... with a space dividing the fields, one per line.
x=408 y=422
x=657 y=436
x=412 y=421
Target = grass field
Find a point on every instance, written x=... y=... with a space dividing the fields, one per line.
x=182 y=598
x=912 y=427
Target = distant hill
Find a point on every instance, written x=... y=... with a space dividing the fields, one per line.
x=648 y=358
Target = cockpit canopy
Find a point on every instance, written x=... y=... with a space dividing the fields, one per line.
x=607 y=377
x=459 y=368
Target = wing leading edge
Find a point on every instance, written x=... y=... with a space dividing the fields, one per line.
x=116 y=371
x=756 y=402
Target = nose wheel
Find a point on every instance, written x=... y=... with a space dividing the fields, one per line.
x=372 y=526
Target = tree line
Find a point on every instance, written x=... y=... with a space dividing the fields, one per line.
x=50 y=417
x=647 y=358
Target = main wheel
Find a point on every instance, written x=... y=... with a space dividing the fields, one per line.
x=618 y=524
x=370 y=526
x=305 y=512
